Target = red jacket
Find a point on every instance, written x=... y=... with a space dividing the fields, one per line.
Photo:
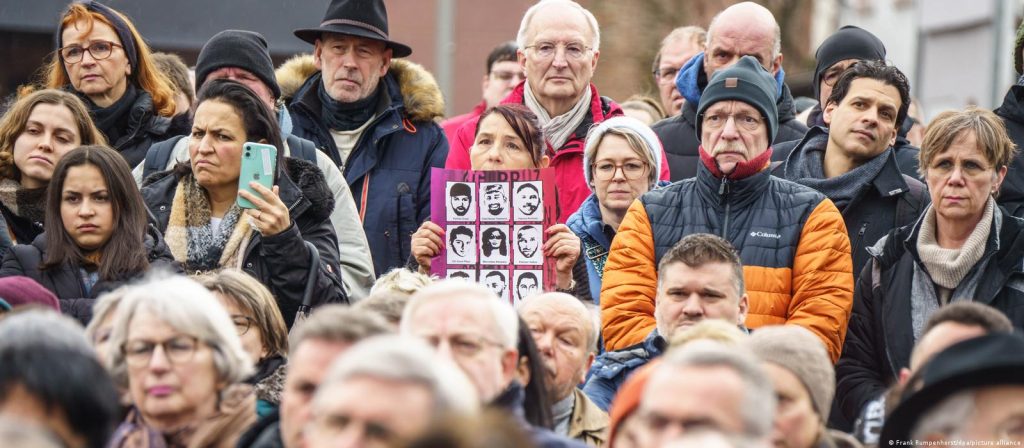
x=452 y=125
x=567 y=160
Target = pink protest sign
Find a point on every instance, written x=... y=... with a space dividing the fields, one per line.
x=494 y=224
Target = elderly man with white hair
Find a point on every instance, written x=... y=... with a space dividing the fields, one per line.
x=385 y=390
x=707 y=386
x=468 y=324
x=559 y=45
x=566 y=338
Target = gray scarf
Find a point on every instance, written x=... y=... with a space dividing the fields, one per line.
x=557 y=130
x=561 y=412
x=806 y=167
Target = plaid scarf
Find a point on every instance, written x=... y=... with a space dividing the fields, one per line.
x=192 y=239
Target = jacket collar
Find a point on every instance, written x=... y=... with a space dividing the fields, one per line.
x=1013 y=105
x=889 y=182
x=738 y=193
x=586 y=416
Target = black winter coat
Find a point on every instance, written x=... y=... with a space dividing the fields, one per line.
x=678 y=135
x=65 y=281
x=1011 y=194
x=893 y=200
x=144 y=128
x=280 y=262
x=880 y=337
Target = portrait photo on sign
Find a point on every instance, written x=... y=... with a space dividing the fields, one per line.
x=527 y=201
x=462 y=274
x=461 y=204
x=461 y=245
x=528 y=250
x=496 y=281
x=494 y=245
x=495 y=203
x=527 y=283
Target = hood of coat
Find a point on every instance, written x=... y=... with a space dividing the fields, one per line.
x=421 y=95
x=691 y=81
x=1013 y=105
x=302 y=180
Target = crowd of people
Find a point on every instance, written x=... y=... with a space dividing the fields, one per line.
x=730 y=269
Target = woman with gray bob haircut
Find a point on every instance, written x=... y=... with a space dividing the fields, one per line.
x=176 y=351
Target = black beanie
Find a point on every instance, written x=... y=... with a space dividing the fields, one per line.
x=745 y=81
x=237 y=48
x=849 y=42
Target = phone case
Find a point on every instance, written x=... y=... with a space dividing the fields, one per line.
x=259 y=163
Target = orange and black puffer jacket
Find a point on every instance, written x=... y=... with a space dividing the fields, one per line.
x=797 y=267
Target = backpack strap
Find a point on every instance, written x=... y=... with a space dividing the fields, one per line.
x=301 y=148
x=910 y=205
x=158 y=155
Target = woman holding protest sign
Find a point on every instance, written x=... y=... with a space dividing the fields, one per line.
x=509 y=137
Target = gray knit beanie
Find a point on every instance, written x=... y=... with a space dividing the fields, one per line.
x=799 y=351
x=653 y=144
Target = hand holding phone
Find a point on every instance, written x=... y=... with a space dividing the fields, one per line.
x=259 y=164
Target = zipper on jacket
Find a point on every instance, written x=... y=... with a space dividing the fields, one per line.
x=723 y=196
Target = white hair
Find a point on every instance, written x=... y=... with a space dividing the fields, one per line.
x=43 y=328
x=189 y=308
x=947 y=418
x=407 y=360
x=776 y=32
x=402 y=281
x=506 y=321
x=758 y=407
x=524 y=26
x=547 y=299
x=105 y=305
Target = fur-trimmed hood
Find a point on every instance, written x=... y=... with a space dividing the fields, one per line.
x=420 y=93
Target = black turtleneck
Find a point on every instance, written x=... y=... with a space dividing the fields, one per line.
x=115 y=120
x=347 y=116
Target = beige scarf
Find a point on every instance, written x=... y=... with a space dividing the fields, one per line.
x=191 y=208
x=948 y=267
x=557 y=130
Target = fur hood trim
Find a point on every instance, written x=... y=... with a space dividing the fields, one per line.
x=420 y=93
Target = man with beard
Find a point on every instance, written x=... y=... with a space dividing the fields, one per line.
x=496 y=199
x=566 y=340
x=528 y=200
x=528 y=240
x=461 y=198
x=700 y=278
x=794 y=247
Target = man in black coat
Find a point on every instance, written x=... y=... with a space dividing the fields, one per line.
x=851 y=158
x=1011 y=195
x=730 y=37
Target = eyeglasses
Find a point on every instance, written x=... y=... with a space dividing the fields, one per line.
x=631 y=170
x=547 y=50
x=666 y=75
x=99 y=49
x=178 y=350
x=242 y=323
x=743 y=121
x=462 y=345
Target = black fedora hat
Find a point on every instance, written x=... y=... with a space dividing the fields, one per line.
x=992 y=360
x=363 y=18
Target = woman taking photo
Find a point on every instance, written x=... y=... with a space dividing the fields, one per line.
x=963 y=248
x=96 y=236
x=509 y=137
x=175 y=351
x=261 y=329
x=621 y=161
x=195 y=204
x=103 y=59
x=35 y=133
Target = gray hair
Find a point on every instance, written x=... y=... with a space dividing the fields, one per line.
x=43 y=328
x=17 y=433
x=948 y=417
x=777 y=31
x=338 y=323
x=758 y=407
x=506 y=321
x=188 y=307
x=555 y=298
x=524 y=26
x=401 y=280
x=105 y=305
x=407 y=360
